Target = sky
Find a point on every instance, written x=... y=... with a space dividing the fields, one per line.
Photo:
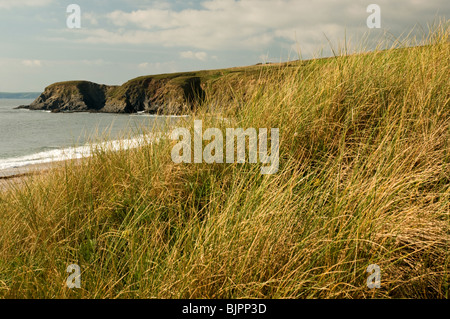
x=120 y=40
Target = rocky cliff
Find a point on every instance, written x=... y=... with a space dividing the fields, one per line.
x=176 y=93
x=169 y=94
x=72 y=96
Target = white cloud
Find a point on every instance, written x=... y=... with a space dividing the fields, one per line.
x=32 y=63
x=90 y=17
x=157 y=67
x=24 y=3
x=96 y=62
x=143 y=65
x=194 y=55
x=218 y=24
x=254 y=24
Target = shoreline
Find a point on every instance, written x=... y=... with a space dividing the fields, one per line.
x=13 y=176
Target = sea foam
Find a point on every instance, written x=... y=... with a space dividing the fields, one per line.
x=77 y=152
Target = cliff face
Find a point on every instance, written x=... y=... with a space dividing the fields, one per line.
x=176 y=93
x=155 y=95
x=172 y=94
x=72 y=96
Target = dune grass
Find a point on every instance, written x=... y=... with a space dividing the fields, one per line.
x=364 y=179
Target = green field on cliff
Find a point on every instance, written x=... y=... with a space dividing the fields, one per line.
x=364 y=178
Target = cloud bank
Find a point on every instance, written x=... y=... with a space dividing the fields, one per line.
x=255 y=24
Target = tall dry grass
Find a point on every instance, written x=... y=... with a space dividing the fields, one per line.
x=364 y=179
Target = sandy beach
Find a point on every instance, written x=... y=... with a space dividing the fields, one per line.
x=14 y=176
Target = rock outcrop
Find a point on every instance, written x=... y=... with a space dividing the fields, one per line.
x=74 y=96
x=168 y=94
x=176 y=93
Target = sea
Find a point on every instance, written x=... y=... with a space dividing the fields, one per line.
x=34 y=137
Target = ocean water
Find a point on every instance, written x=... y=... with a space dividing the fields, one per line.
x=32 y=137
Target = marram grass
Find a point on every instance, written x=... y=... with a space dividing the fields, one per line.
x=364 y=179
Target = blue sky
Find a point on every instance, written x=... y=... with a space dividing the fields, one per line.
x=120 y=40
